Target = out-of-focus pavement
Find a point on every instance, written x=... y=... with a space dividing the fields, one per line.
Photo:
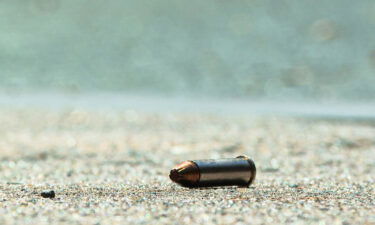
x=287 y=49
x=112 y=168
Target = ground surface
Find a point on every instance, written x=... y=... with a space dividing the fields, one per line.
x=112 y=168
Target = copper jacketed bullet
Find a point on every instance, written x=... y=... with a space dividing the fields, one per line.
x=238 y=171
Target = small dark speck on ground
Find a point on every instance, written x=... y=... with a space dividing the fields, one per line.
x=48 y=194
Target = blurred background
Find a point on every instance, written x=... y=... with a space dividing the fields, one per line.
x=249 y=49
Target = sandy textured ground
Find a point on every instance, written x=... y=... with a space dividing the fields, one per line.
x=112 y=168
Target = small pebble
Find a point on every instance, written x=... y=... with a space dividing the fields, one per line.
x=48 y=194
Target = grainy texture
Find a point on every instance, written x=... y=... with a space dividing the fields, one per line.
x=112 y=168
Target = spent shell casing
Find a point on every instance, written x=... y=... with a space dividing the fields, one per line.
x=240 y=171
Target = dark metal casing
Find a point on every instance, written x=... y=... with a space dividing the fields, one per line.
x=240 y=171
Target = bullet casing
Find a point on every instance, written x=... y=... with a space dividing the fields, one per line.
x=238 y=171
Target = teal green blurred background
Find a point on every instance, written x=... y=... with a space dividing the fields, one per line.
x=254 y=49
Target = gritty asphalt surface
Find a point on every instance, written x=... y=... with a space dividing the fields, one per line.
x=112 y=168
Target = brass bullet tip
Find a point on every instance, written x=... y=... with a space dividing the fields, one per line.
x=174 y=175
x=185 y=174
